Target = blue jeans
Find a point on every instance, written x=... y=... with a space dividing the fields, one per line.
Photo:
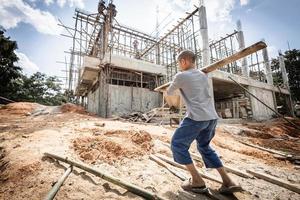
x=201 y=131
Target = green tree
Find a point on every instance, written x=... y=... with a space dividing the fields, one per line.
x=10 y=74
x=292 y=64
x=276 y=72
x=42 y=89
x=16 y=86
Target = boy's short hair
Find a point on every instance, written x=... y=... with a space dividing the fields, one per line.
x=187 y=54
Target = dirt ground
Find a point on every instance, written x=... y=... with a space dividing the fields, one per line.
x=122 y=149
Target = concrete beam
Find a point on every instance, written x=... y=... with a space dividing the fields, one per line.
x=134 y=64
x=90 y=68
x=221 y=75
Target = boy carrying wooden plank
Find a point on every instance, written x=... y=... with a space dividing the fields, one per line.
x=199 y=124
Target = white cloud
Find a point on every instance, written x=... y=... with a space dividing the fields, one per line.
x=48 y=2
x=273 y=51
x=15 y=11
x=70 y=3
x=218 y=12
x=26 y=64
x=244 y=2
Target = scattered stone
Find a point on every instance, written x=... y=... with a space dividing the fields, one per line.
x=99 y=124
x=16 y=146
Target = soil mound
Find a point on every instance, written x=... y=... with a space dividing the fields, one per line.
x=20 y=108
x=277 y=128
x=72 y=108
x=112 y=146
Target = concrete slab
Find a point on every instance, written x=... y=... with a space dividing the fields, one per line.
x=134 y=64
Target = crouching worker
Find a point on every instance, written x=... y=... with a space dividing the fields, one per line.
x=199 y=124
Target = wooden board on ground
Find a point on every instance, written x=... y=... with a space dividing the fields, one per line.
x=277 y=181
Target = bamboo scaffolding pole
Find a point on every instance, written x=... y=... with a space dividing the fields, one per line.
x=206 y=176
x=122 y=183
x=213 y=194
x=210 y=193
x=266 y=150
x=163 y=164
x=229 y=169
x=58 y=184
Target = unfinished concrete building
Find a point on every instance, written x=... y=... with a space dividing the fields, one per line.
x=118 y=67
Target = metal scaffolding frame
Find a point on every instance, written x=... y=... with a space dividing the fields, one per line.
x=98 y=34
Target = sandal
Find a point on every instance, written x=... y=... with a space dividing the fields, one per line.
x=230 y=190
x=187 y=186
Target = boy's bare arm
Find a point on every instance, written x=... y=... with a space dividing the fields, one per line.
x=175 y=84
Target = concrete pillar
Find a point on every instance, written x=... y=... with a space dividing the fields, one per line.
x=267 y=66
x=205 y=43
x=288 y=99
x=241 y=41
x=204 y=33
x=211 y=85
x=283 y=70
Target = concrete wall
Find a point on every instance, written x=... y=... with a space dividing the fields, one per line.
x=261 y=112
x=124 y=99
x=93 y=101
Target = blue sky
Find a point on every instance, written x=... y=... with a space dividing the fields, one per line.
x=33 y=23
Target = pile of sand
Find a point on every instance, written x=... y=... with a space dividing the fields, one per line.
x=113 y=146
x=72 y=108
x=275 y=134
x=277 y=128
x=20 y=108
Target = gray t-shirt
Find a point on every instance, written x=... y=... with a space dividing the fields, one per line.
x=194 y=89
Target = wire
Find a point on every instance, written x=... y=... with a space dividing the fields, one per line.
x=276 y=112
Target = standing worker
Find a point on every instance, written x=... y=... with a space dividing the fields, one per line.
x=199 y=124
